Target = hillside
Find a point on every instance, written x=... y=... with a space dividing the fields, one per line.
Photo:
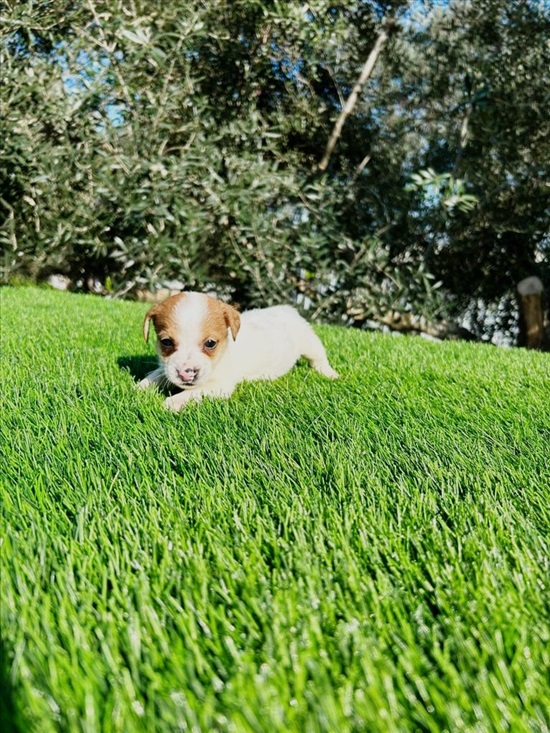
x=369 y=554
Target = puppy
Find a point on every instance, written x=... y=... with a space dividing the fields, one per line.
x=206 y=347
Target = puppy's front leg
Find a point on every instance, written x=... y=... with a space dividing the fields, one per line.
x=177 y=401
x=152 y=378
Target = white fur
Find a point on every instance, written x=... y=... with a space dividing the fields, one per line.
x=189 y=313
x=268 y=344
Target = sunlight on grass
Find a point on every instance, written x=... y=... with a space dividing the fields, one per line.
x=370 y=554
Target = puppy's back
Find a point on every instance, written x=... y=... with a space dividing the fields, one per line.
x=271 y=341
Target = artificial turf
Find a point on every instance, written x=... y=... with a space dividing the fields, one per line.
x=370 y=554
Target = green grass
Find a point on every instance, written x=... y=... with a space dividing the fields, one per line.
x=365 y=555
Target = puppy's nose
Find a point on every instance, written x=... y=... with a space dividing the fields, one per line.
x=187 y=375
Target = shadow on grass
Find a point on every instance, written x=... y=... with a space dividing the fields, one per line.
x=10 y=720
x=138 y=366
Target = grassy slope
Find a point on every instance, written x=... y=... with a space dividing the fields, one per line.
x=308 y=556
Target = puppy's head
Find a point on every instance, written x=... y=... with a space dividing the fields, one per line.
x=192 y=334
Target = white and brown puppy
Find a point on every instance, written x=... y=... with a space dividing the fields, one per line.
x=206 y=347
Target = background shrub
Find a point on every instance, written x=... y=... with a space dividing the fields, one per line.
x=153 y=142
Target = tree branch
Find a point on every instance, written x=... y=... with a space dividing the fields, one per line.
x=352 y=99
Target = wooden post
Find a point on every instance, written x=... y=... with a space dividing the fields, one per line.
x=531 y=313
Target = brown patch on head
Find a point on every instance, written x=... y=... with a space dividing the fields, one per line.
x=219 y=317
x=163 y=317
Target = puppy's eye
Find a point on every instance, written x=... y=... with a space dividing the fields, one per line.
x=167 y=343
x=210 y=344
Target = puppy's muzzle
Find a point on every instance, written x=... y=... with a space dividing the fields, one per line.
x=188 y=376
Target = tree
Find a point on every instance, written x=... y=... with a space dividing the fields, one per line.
x=149 y=142
x=482 y=83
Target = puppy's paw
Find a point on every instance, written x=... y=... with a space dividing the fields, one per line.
x=178 y=401
x=173 y=404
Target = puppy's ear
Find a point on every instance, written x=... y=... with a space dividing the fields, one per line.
x=150 y=314
x=232 y=320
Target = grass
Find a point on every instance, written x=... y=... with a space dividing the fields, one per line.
x=365 y=555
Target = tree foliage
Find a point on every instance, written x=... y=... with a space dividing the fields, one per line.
x=148 y=142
